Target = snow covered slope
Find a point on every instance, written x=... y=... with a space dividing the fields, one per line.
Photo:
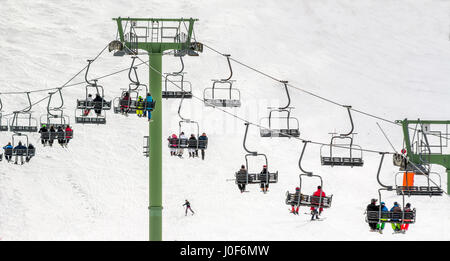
x=389 y=58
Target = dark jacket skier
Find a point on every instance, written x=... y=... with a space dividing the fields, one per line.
x=264 y=179
x=241 y=178
x=44 y=134
x=372 y=207
x=52 y=135
x=203 y=143
x=60 y=134
x=188 y=206
x=20 y=150
x=98 y=100
x=192 y=146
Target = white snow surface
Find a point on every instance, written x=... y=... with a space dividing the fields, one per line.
x=389 y=58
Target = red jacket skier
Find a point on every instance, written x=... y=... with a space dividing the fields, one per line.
x=316 y=196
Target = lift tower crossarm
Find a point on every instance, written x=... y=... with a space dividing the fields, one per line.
x=156 y=47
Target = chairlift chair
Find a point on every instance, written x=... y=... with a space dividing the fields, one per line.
x=292 y=124
x=183 y=143
x=403 y=217
x=20 y=152
x=352 y=160
x=300 y=199
x=29 y=126
x=414 y=190
x=23 y=121
x=134 y=91
x=84 y=106
x=88 y=104
x=178 y=77
x=57 y=118
x=254 y=178
x=234 y=95
x=389 y=216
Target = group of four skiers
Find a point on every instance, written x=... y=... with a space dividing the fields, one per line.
x=176 y=150
x=377 y=225
x=63 y=134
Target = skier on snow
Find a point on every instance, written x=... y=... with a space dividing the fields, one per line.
x=188 y=206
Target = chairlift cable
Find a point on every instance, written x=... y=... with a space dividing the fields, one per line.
x=255 y=124
x=67 y=85
x=306 y=91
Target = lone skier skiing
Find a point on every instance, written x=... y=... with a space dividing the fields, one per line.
x=188 y=206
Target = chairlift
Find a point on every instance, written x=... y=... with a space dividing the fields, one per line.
x=234 y=95
x=299 y=199
x=403 y=217
x=85 y=106
x=128 y=101
x=408 y=188
x=292 y=124
x=379 y=216
x=178 y=77
x=23 y=121
x=27 y=152
x=57 y=120
x=254 y=178
x=186 y=143
x=352 y=160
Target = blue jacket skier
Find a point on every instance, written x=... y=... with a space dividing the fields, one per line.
x=148 y=107
x=380 y=226
x=20 y=150
x=8 y=151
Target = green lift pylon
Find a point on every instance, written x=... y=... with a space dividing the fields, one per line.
x=422 y=153
x=155 y=35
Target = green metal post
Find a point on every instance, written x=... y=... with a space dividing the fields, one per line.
x=155 y=157
x=448 y=181
x=155 y=50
